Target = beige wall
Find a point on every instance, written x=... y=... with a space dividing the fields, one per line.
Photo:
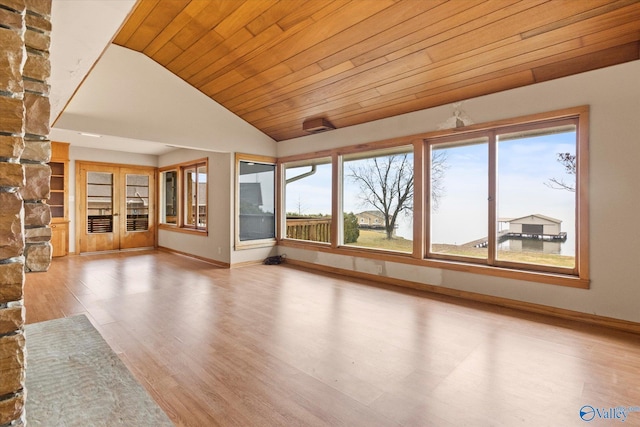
x=218 y=245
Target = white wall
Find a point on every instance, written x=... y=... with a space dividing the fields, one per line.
x=614 y=96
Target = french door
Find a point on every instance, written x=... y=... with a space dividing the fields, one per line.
x=115 y=207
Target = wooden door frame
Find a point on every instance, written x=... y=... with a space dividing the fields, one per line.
x=80 y=208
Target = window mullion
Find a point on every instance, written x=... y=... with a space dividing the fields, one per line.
x=492 y=202
x=197 y=202
x=337 y=226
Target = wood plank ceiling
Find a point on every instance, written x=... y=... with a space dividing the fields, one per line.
x=276 y=63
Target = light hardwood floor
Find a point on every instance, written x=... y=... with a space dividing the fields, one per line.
x=277 y=345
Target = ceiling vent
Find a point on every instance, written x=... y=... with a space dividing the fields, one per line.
x=317 y=125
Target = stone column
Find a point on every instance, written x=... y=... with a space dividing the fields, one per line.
x=24 y=150
x=37 y=151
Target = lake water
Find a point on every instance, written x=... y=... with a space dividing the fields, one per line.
x=405 y=230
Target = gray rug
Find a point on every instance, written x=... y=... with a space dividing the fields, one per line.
x=75 y=379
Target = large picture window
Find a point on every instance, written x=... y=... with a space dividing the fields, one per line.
x=509 y=197
x=256 y=179
x=183 y=196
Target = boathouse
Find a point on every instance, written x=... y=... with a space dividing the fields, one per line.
x=534 y=226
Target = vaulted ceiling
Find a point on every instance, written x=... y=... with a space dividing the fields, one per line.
x=277 y=63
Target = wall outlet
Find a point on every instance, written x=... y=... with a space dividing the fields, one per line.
x=379 y=269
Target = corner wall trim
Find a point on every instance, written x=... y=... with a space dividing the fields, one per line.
x=585 y=318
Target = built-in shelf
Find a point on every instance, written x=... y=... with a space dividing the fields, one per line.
x=59 y=198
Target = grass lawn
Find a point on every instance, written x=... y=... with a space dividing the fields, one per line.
x=378 y=240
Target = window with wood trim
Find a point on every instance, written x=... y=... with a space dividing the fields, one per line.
x=377 y=199
x=508 y=197
x=256 y=200
x=307 y=196
x=169 y=197
x=183 y=196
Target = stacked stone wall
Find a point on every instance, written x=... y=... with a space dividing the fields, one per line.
x=25 y=236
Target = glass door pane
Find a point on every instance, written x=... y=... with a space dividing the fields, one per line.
x=99 y=202
x=137 y=202
x=459 y=193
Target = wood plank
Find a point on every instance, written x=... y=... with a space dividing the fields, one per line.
x=473 y=18
x=177 y=23
x=247 y=12
x=213 y=88
x=395 y=83
x=311 y=10
x=161 y=15
x=593 y=13
x=283 y=345
x=220 y=65
x=590 y=61
x=168 y=53
x=404 y=33
x=362 y=34
x=477 y=57
x=515 y=24
x=582 y=49
x=204 y=44
x=312 y=35
x=276 y=14
x=204 y=22
x=203 y=70
x=140 y=12
x=273 y=93
x=286 y=87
